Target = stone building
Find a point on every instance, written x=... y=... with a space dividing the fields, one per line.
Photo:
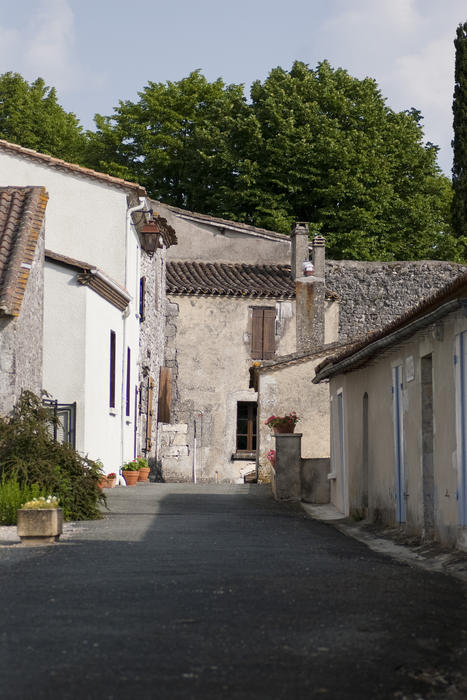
x=22 y=212
x=104 y=264
x=399 y=420
x=223 y=281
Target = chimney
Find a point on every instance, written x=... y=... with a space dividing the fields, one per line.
x=319 y=243
x=310 y=302
x=299 y=236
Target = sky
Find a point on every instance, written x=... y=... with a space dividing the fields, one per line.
x=97 y=52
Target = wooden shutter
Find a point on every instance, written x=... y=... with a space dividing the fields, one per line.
x=165 y=395
x=263 y=344
x=269 y=339
x=149 y=415
x=257 y=334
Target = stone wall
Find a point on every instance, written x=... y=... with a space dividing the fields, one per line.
x=373 y=294
x=21 y=339
x=151 y=343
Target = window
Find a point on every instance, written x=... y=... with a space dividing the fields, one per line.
x=246 y=426
x=142 y=299
x=263 y=333
x=112 y=369
x=128 y=380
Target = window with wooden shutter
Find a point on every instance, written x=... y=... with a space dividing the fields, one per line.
x=263 y=342
x=165 y=395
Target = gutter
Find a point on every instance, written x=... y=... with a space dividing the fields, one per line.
x=361 y=356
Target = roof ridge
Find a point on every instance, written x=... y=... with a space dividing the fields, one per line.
x=70 y=167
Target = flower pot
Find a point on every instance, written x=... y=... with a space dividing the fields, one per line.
x=103 y=483
x=284 y=429
x=143 y=474
x=39 y=525
x=111 y=483
x=130 y=477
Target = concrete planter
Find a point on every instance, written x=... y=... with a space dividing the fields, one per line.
x=39 y=526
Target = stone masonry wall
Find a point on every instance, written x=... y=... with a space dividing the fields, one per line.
x=151 y=344
x=21 y=339
x=373 y=294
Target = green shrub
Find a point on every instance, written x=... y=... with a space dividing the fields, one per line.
x=12 y=497
x=29 y=453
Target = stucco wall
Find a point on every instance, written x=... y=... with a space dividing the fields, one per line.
x=210 y=241
x=21 y=339
x=86 y=219
x=287 y=388
x=208 y=349
x=376 y=379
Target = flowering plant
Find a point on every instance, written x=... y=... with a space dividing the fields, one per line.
x=271 y=455
x=132 y=466
x=42 y=502
x=112 y=475
x=143 y=464
x=274 y=421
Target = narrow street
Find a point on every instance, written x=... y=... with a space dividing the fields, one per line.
x=216 y=592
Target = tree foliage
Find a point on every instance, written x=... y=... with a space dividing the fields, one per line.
x=459 y=170
x=31 y=117
x=313 y=145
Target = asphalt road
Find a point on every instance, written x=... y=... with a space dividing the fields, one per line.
x=218 y=592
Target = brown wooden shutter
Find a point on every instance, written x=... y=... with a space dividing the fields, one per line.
x=165 y=395
x=269 y=340
x=257 y=334
x=149 y=416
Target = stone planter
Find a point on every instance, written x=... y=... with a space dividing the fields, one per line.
x=39 y=525
x=285 y=429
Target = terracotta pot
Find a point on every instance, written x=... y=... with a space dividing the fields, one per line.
x=284 y=428
x=103 y=483
x=143 y=474
x=130 y=477
x=111 y=483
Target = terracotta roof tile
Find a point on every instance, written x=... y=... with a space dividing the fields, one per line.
x=71 y=167
x=22 y=212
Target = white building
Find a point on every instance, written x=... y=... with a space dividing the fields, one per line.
x=92 y=285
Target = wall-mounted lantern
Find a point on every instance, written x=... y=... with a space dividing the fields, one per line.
x=150 y=234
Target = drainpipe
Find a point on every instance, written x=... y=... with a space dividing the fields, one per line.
x=126 y=313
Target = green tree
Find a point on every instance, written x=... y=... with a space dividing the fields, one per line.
x=31 y=117
x=459 y=108
x=334 y=154
x=185 y=141
x=313 y=145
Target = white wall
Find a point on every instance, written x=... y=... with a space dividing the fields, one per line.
x=85 y=218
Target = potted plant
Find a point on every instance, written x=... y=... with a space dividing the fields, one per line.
x=271 y=456
x=144 y=470
x=130 y=472
x=282 y=424
x=111 y=480
x=40 y=521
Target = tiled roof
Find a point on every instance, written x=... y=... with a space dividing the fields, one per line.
x=230 y=280
x=22 y=212
x=71 y=167
x=360 y=351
